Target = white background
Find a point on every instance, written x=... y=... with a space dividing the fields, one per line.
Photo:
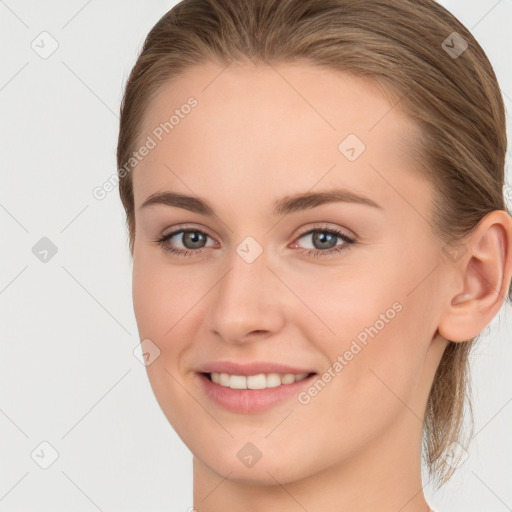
x=68 y=373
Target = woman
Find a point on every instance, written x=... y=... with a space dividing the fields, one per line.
x=313 y=191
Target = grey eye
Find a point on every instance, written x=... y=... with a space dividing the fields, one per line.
x=190 y=239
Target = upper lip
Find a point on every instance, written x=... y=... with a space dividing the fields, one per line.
x=253 y=368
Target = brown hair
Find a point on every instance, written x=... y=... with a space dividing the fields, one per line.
x=404 y=47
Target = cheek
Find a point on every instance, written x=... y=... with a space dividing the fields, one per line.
x=378 y=333
x=168 y=308
x=161 y=294
x=161 y=302
x=369 y=384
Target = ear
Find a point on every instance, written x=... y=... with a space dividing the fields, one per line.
x=482 y=277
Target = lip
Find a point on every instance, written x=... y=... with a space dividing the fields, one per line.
x=247 y=401
x=252 y=368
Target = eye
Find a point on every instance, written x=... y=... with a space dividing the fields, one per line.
x=324 y=241
x=193 y=241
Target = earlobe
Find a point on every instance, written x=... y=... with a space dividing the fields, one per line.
x=485 y=271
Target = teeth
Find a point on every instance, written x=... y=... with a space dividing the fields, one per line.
x=256 y=381
x=260 y=381
x=288 y=378
x=237 y=382
x=273 y=380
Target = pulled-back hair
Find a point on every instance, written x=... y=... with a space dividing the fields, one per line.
x=408 y=48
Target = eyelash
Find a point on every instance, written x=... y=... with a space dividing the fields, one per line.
x=309 y=252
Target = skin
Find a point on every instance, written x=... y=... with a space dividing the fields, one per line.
x=259 y=134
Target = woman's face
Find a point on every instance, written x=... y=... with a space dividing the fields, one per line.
x=281 y=167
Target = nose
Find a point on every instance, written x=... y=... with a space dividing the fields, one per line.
x=249 y=301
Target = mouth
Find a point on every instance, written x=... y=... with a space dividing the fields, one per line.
x=258 y=381
x=253 y=393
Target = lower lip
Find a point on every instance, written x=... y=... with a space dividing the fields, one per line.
x=251 y=400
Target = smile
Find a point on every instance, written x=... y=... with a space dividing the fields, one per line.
x=252 y=393
x=259 y=381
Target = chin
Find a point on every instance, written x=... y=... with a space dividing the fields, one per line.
x=264 y=472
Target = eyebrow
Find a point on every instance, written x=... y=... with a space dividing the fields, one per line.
x=289 y=204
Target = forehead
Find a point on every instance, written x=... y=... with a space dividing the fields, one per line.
x=283 y=127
